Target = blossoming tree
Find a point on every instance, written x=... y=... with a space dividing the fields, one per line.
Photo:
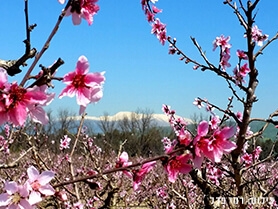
x=212 y=168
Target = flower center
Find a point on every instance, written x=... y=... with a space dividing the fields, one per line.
x=176 y=164
x=16 y=198
x=78 y=81
x=36 y=185
x=16 y=94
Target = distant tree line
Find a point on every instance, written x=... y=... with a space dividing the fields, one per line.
x=138 y=134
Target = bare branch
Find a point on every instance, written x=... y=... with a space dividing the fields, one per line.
x=234 y=92
x=46 y=45
x=238 y=14
x=47 y=74
x=227 y=111
x=202 y=53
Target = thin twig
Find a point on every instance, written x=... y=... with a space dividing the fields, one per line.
x=238 y=14
x=71 y=155
x=46 y=45
x=234 y=92
x=113 y=170
x=202 y=53
x=14 y=163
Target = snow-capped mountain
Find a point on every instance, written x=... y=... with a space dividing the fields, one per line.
x=157 y=119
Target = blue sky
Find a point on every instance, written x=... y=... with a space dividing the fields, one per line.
x=139 y=71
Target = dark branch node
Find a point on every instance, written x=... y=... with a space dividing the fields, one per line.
x=47 y=74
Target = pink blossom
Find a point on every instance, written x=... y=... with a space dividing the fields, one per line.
x=166 y=144
x=256 y=153
x=166 y=109
x=39 y=184
x=178 y=164
x=198 y=103
x=82 y=9
x=239 y=79
x=223 y=42
x=64 y=143
x=245 y=147
x=3 y=80
x=239 y=115
x=257 y=36
x=220 y=144
x=212 y=146
x=138 y=175
x=36 y=112
x=224 y=63
x=159 y=29
x=123 y=162
x=247 y=159
x=157 y=26
x=200 y=143
x=213 y=174
x=184 y=137
x=249 y=132
x=162 y=37
x=162 y=192
x=156 y=10
x=62 y=195
x=15 y=196
x=214 y=122
x=86 y=86
x=78 y=205
x=168 y=149
x=150 y=16
x=241 y=55
x=18 y=101
x=244 y=70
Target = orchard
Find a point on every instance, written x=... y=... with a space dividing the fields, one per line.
x=220 y=162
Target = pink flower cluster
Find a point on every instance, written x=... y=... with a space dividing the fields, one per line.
x=137 y=175
x=211 y=142
x=240 y=72
x=82 y=9
x=223 y=43
x=30 y=193
x=158 y=28
x=258 y=36
x=65 y=142
x=247 y=159
x=86 y=86
x=214 y=174
x=17 y=102
x=178 y=164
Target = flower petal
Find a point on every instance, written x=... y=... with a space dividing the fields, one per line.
x=33 y=173
x=76 y=19
x=45 y=177
x=203 y=128
x=82 y=66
